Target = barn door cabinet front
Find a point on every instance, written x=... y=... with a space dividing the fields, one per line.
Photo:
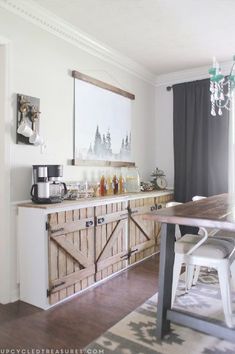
x=63 y=251
x=141 y=232
x=111 y=238
x=144 y=235
x=71 y=252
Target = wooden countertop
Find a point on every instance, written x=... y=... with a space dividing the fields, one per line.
x=215 y=212
x=89 y=202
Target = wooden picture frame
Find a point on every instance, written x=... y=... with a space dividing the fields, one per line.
x=96 y=142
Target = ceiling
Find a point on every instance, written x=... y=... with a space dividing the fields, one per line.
x=162 y=35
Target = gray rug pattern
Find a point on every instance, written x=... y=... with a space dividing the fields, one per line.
x=136 y=333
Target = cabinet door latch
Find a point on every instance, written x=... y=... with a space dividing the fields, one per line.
x=54 y=287
x=129 y=254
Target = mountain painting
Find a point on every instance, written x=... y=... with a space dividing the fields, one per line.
x=102 y=124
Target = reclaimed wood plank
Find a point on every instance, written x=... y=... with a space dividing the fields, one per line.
x=68 y=247
x=120 y=238
x=61 y=256
x=84 y=246
x=109 y=261
x=69 y=261
x=64 y=228
x=111 y=268
x=138 y=236
x=53 y=261
x=90 y=245
x=104 y=238
x=80 y=76
x=76 y=241
x=98 y=246
x=70 y=279
x=132 y=232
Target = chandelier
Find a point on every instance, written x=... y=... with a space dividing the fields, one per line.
x=221 y=88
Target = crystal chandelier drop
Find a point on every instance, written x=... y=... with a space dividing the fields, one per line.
x=221 y=88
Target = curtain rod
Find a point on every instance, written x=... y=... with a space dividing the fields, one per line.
x=169 y=88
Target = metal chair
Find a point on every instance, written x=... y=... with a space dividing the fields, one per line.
x=193 y=274
x=199 y=250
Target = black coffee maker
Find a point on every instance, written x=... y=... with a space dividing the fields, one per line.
x=47 y=187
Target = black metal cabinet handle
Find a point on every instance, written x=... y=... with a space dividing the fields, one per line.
x=128 y=255
x=89 y=223
x=49 y=291
x=57 y=230
x=100 y=220
x=57 y=285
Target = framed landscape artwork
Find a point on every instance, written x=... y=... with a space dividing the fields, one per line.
x=102 y=123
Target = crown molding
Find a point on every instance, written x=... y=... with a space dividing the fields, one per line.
x=46 y=20
x=189 y=75
x=36 y=14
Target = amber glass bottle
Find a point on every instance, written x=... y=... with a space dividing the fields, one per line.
x=102 y=186
x=115 y=185
x=120 y=184
x=109 y=186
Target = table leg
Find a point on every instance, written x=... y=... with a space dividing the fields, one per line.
x=165 y=278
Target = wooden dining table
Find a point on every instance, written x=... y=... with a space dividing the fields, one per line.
x=213 y=212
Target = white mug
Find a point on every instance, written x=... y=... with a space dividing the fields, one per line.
x=24 y=129
x=36 y=139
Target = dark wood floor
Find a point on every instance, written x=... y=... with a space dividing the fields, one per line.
x=79 y=321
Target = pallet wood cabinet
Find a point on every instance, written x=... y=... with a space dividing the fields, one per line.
x=80 y=253
x=111 y=238
x=144 y=235
x=65 y=248
x=71 y=252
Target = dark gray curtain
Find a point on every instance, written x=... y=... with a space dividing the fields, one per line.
x=200 y=143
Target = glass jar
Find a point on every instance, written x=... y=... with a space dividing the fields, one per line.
x=132 y=180
x=73 y=190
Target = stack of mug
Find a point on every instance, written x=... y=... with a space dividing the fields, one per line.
x=25 y=130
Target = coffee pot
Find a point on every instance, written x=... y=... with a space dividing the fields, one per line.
x=57 y=189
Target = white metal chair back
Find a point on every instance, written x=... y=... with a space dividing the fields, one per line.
x=177 y=228
x=195 y=251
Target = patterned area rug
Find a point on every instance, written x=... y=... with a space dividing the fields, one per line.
x=135 y=334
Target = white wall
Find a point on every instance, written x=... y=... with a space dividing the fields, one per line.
x=40 y=66
x=5 y=242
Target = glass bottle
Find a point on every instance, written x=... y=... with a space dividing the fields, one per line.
x=102 y=186
x=115 y=185
x=120 y=184
x=109 y=186
x=132 y=180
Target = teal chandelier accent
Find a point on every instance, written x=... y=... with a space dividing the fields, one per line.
x=221 y=88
